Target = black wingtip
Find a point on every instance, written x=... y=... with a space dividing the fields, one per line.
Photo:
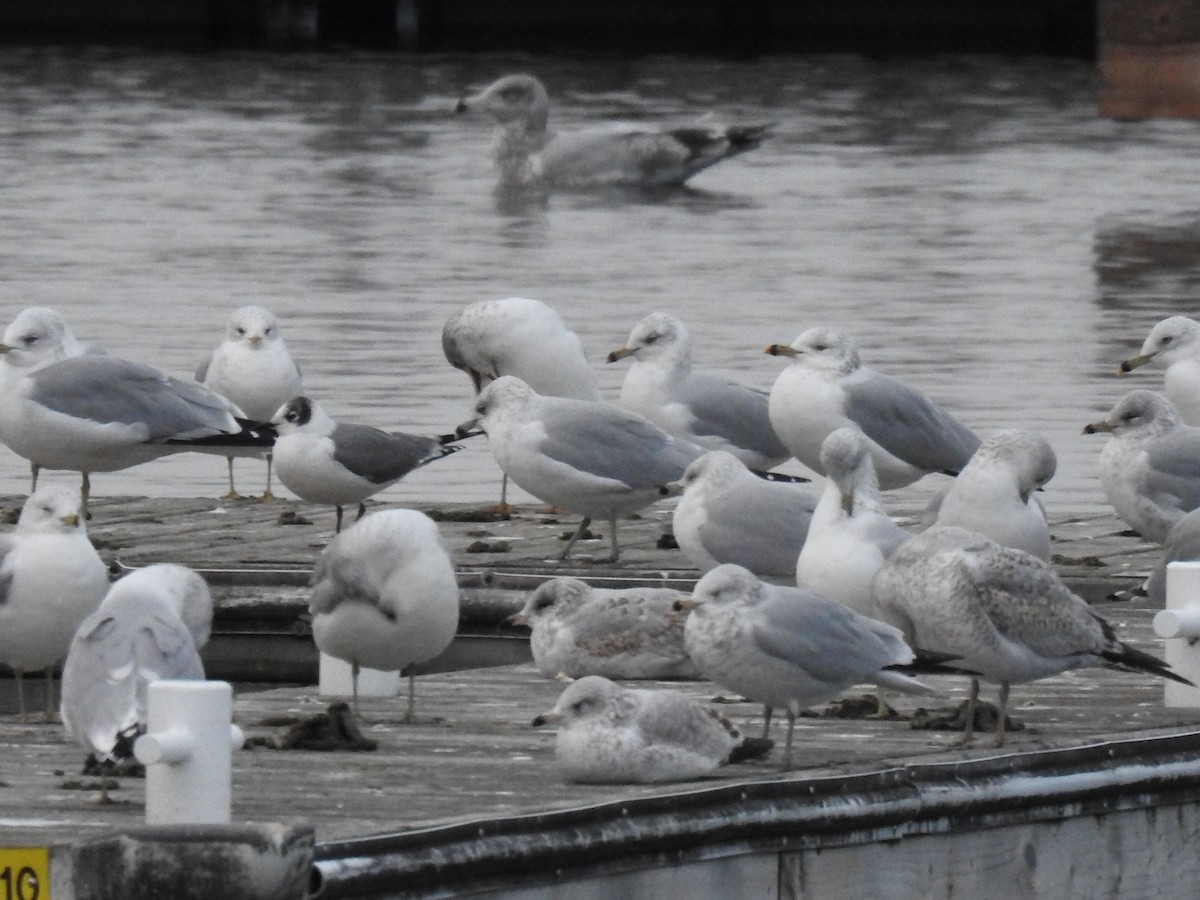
x=751 y=748
x=781 y=477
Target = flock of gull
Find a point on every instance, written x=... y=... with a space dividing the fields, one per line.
x=800 y=597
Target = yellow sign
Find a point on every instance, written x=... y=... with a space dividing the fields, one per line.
x=24 y=873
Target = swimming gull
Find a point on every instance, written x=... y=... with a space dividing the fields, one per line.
x=711 y=411
x=1174 y=342
x=1182 y=545
x=1150 y=467
x=338 y=463
x=1004 y=613
x=994 y=493
x=522 y=337
x=727 y=514
x=625 y=633
x=133 y=639
x=827 y=387
x=851 y=535
x=588 y=457
x=787 y=647
x=100 y=413
x=253 y=369
x=184 y=591
x=51 y=579
x=609 y=734
x=385 y=596
x=526 y=152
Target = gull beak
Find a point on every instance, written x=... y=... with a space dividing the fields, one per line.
x=670 y=489
x=684 y=604
x=782 y=350
x=467 y=429
x=547 y=719
x=848 y=504
x=1098 y=427
x=1133 y=362
x=620 y=353
x=4 y=348
x=517 y=619
x=71 y=520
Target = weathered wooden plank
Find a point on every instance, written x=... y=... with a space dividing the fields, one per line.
x=1149 y=58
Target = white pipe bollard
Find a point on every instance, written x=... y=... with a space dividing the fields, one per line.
x=188 y=752
x=1179 y=623
x=335 y=678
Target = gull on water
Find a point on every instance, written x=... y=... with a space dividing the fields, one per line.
x=727 y=514
x=385 y=596
x=591 y=458
x=527 y=152
x=1174 y=342
x=339 y=464
x=184 y=591
x=51 y=579
x=994 y=493
x=100 y=413
x=1003 y=613
x=608 y=734
x=827 y=387
x=136 y=637
x=252 y=369
x=1150 y=467
x=625 y=633
x=710 y=411
x=787 y=647
x=850 y=535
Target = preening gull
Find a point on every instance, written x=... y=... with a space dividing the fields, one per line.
x=253 y=369
x=850 y=535
x=337 y=463
x=385 y=596
x=827 y=387
x=51 y=579
x=585 y=456
x=1182 y=545
x=625 y=633
x=135 y=638
x=184 y=592
x=100 y=413
x=608 y=734
x=789 y=648
x=1003 y=613
x=1150 y=467
x=1175 y=342
x=727 y=514
x=526 y=152
x=994 y=493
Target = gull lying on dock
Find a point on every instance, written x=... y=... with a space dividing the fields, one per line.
x=608 y=734
x=1174 y=342
x=526 y=152
x=827 y=387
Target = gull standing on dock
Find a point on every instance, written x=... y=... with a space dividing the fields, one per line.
x=184 y=591
x=1174 y=342
x=1003 y=614
x=827 y=387
x=710 y=411
x=1182 y=545
x=624 y=633
x=727 y=514
x=338 y=463
x=100 y=413
x=585 y=456
x=527 y=153
x=608 y=734
x=385 y=596
x=253 y=370
x=51 y=579
x=1150 y=467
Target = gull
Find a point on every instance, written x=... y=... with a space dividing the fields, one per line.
x=827 y=387
x=994 y=493
x=1150 y=467
x=1182 y=545
x=727 y=514
x=710 y=411
x=338 y=463
x=526 y=152
x=1002 y=612
x=626 y=633
x=1175 y=342
x=787 y=647
x=850 y=536
x=522 y=337
x=51 y=579
x=587 y=457
x=100 y=413
x=385 y=596
x=253 y=370
x=184 y=591
x=608 y=734
x=136 y=637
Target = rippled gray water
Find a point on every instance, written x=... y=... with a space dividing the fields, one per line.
x=971 y=222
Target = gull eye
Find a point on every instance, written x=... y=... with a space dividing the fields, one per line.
x=292 y=415
x=1166 y=339
x=29 y=340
